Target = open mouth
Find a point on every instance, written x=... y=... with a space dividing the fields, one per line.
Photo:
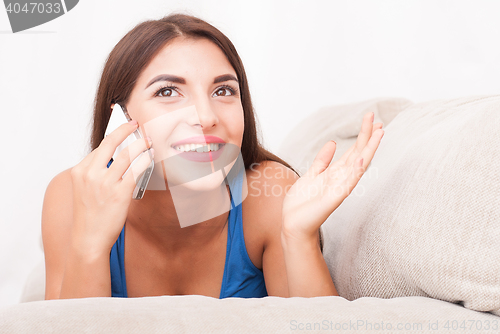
x=199 y=148
x=199 y=152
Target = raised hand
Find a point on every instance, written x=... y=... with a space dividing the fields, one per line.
x=324 y=187
x=101 y=195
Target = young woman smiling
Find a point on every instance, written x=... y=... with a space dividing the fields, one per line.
x=179 y=78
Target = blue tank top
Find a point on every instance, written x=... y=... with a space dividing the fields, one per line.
x=241 y=277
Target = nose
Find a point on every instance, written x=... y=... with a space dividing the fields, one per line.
x=206 y=117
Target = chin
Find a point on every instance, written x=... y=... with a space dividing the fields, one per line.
x=204 y=184
x=194 y=176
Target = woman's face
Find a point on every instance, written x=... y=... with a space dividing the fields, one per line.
x=186 y=97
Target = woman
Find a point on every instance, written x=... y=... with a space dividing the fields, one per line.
x=179 y=77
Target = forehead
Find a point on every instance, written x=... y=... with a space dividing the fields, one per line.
x=189 y=58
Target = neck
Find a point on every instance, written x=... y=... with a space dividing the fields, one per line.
x=180 y=219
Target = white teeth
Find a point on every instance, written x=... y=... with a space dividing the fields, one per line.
x=198 y=147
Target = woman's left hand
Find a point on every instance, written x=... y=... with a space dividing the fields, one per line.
x=312 y=199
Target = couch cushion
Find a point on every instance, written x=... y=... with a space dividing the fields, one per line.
x=201 y=314
x=424 y=220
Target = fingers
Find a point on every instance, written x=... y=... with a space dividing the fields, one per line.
x=376 y=126
x=354 y=151
x=367 y=130
x=363 y=160
x=109 y=144
x=369 y=150
x=346 y=155
x=126 y=156
x=322 y=160
x=87 y=160
x=363 y=137
x=137 y=169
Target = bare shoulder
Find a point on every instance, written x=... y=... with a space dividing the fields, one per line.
x=267 y=184
x=57 y=218
x=58 y=200
x=59 y=187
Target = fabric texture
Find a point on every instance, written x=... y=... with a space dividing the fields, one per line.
x=241 y=277
x=424 y=220
x=202 y=314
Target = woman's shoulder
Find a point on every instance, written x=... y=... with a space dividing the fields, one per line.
x=61 y=184
x=57 y=209
x=267 y=184
x=58 y=201
x=57 y=219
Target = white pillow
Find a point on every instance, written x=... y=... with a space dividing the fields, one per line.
x=424 y=220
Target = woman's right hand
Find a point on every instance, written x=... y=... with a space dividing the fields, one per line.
x=101 y=197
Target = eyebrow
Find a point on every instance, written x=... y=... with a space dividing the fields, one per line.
x=179 y=80
x=224 y=77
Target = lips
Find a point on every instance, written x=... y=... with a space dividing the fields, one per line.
x=200 y=156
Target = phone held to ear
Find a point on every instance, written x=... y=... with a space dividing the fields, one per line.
x=119 y=116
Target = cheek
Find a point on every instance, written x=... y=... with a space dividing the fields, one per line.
x=235 y=125
x=160 y=129
x=157 y=123
x=136 y=111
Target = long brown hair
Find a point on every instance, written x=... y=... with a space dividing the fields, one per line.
x=138 y=47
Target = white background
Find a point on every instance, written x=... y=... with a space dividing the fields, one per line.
x=298 y=55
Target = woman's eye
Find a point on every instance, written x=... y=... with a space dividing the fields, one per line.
x=223 y=92
x=167 y=92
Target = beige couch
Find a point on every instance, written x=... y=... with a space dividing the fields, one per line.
x=413 y=249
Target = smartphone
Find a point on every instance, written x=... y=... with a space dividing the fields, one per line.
x=119 y=116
